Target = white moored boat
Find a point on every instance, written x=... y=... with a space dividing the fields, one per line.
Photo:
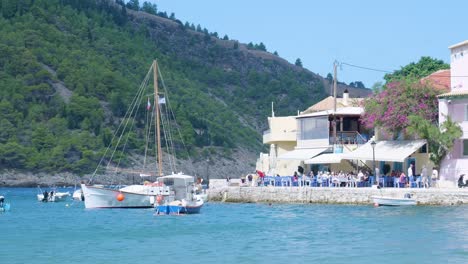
x=177 y=188
x=133 y=196
x=393 y=201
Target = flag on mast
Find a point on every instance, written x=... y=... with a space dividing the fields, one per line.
x=148 y=105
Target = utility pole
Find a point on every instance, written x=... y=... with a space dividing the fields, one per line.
x=335 y=65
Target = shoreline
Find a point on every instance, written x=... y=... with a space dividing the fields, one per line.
x=220 y=192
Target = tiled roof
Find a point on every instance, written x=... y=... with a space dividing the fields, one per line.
x=327 y=104
x=439 y=80
x=454 y=93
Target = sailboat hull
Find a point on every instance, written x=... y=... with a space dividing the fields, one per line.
x=100 y=197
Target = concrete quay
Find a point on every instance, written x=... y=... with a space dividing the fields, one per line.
x=222 y=191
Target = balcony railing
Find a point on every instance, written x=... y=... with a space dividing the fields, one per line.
x=349 y=137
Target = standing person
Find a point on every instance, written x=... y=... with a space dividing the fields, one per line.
x=410 y=173
x=424 y=176
x=300 y=169
x=402 y=181
x=434 y=177
x=261 y=175
x=45 y=197
x=377 y=176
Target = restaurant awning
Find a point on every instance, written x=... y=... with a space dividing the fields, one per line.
x=392 y=150
x=326 y=158
x=301 y=154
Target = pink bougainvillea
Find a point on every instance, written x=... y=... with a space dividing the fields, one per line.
x=390 y=108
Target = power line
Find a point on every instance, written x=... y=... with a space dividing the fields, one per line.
x=364 y=68
x=385 y=71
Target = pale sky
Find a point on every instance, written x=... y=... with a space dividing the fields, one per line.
x=384 y=35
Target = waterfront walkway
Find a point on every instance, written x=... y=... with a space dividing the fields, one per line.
x=220 y=190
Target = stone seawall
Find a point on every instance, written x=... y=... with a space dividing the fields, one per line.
x=233 y=192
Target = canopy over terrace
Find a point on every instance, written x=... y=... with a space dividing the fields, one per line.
x=325 y=158
x=301 y=154
x=391 y=151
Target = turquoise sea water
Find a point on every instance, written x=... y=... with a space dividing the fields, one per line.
x=34 y=232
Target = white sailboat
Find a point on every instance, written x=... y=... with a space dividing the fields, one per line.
x=167 y=189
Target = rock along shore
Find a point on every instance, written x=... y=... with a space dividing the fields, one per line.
x=220 y=191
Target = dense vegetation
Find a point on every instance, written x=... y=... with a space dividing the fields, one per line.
x=69 y=68
x=415 y=71
x=407 y=108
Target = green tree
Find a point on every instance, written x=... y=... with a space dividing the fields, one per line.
x=13 y=155
x=42 y=139
x=261 y=46
x=298 y=62
x=149 y=8
x=133 y=4
x=424 y=67
x=440 y=139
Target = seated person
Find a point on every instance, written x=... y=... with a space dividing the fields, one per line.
x=319 y=178
x=249 y=178
x=461 y=182
x=360 y=176
x=402 y=178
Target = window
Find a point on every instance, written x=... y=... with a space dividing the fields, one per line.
x=465 y=147
x=466 y=112
x=423 y=149
x=313 y=128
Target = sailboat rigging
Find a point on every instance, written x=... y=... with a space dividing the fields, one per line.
x=176 y=190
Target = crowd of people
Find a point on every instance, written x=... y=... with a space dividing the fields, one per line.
x=361 y=178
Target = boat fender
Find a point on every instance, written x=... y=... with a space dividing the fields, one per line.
x=120 y=197
x=159 y=198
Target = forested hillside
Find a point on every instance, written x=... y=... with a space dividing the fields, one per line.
x=69 y=68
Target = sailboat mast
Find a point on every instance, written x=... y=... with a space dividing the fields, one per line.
x=156 y=124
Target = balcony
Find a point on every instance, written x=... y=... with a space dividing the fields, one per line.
x=349 y=138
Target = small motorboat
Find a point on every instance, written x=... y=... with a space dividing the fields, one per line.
x=3 y=205
x=181 y=199
x=53 y=196
x=394 y=201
